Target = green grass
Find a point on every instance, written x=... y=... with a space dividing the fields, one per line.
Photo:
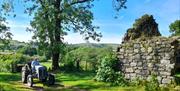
x=73 y=81
x=84 y=80
x=11 y=82
x=47 y=64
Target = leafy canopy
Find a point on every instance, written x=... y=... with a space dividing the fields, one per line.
x=54 y=18
x=145 y=26
x=175 y=28
x=4 y=31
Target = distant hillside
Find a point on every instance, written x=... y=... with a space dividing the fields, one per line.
x=14 y=45
x=114 y=46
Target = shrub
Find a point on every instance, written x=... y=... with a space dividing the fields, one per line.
x=5 y=66
x=152 y=84
x=8 y=61
x=28 y=50
x=138 y=82
x=107 y=72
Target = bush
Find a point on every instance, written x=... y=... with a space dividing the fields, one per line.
x=28 y=50
x=107 y=72
x=8 y=62
x=6 y=66
x=152 y=85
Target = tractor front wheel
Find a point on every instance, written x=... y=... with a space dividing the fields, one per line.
x=30 y=80
x=24 y=74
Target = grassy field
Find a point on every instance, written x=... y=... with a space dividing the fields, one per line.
x=74 y=81
x=64 y=82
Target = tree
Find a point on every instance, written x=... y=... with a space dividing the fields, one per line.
x=175 y=28
x=28 y=50
x=84 y=55
x=145 y=26
x=5 y=34
x=53 y=18
x=4 y=31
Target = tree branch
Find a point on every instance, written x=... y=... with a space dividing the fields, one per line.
x=78 y=1
x=41 y=2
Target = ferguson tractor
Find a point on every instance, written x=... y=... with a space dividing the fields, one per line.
x=28 y=74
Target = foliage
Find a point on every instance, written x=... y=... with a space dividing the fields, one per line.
x=153 y=84
x=4 y=30
x=6 y=66
x=99 y=45
x=5 y=34
x=88 y=57
x=13 y=45
x=27 y=50
x=54 y=18
x=75 y=80
x=175 y=28
x=108 y=72
x=145 y=26
x=9 y=61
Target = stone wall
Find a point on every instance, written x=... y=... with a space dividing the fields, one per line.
x=142 y=58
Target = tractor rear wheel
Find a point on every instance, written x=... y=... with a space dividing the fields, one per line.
x=51 y=79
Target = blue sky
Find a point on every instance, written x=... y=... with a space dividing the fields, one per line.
x=164 y=11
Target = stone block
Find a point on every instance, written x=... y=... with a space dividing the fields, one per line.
x=150 y=49
x=133 y=76
x=166 y=80
x=163 y=61
x=143 y=49
x=149 y=57
x=150 y=65
x=139 y=63
x=137 y=46
x=136 y=51
x=127 y=76
x=137 y=56
x=129 y=70
x=137 y=71
x=133 y=64
x=165 y=73
x=159 y=79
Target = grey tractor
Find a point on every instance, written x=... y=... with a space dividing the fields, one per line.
x=41 y=74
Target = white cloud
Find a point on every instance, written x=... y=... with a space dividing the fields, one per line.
x=14 y=24
x=75 y=38
x=22 y=37
x=18 y=30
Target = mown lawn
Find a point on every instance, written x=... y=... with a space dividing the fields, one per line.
x=72 y=81
x=65 y=82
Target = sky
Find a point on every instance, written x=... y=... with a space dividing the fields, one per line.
x=164 y=11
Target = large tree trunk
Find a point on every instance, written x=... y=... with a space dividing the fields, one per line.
x=78 y=64
x=86 y=66
x=55 y=61
x=57 y=33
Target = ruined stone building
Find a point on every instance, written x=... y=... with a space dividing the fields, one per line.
x=142 y=58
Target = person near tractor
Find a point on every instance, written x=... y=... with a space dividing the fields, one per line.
x=34 y=63
x=36 y=67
